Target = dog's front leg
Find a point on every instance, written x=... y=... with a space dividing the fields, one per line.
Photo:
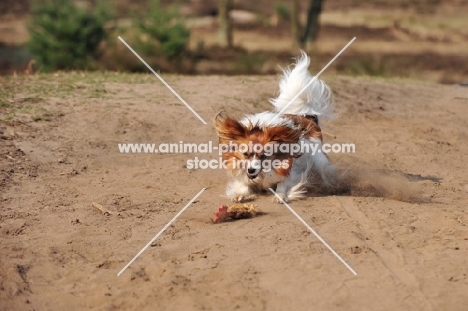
x=291 y=188
x=239 y=190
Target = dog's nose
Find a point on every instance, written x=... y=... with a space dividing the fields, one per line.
x=251 y=170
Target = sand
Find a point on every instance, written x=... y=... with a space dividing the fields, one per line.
x=399 y=219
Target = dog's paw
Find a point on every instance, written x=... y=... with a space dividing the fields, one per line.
x=276 y=198
x=243 y=198
x=237 y=199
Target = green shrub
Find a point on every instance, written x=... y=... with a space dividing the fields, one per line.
x=162 y=32
x=249 y=63
x=64 y=35
x=283 y=11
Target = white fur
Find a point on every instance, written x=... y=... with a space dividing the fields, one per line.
x=317 y=100
x=266 y=119
x=294 y=186
x=242 y=189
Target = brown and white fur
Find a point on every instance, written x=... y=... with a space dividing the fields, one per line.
x=298 y=124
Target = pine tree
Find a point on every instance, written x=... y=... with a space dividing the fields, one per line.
x=163 y=32
x=65 y=36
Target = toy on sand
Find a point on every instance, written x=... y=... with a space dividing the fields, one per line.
x=237 y=211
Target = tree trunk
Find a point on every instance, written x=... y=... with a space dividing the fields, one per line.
x=295 y=24
x=313 y=25
x=225 y=25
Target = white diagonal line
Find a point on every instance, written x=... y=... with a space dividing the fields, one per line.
x=160 y=232
x=314 y=78
x=162 y=80
x=313 y=231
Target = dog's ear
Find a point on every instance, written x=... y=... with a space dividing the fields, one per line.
x=228 y=128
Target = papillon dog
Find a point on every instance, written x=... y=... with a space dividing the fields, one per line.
x=286 y=142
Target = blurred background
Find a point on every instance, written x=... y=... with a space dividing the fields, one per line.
x=418 y=39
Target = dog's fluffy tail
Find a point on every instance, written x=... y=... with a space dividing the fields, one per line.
x=316 y=99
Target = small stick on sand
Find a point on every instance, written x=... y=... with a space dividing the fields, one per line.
x=104 y=210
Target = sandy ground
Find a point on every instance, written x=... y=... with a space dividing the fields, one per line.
x=401 y=223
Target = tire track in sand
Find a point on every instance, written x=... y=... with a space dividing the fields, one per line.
x=391 y=257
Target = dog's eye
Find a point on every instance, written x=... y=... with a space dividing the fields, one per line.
x=263 y=157
x=246 y=154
